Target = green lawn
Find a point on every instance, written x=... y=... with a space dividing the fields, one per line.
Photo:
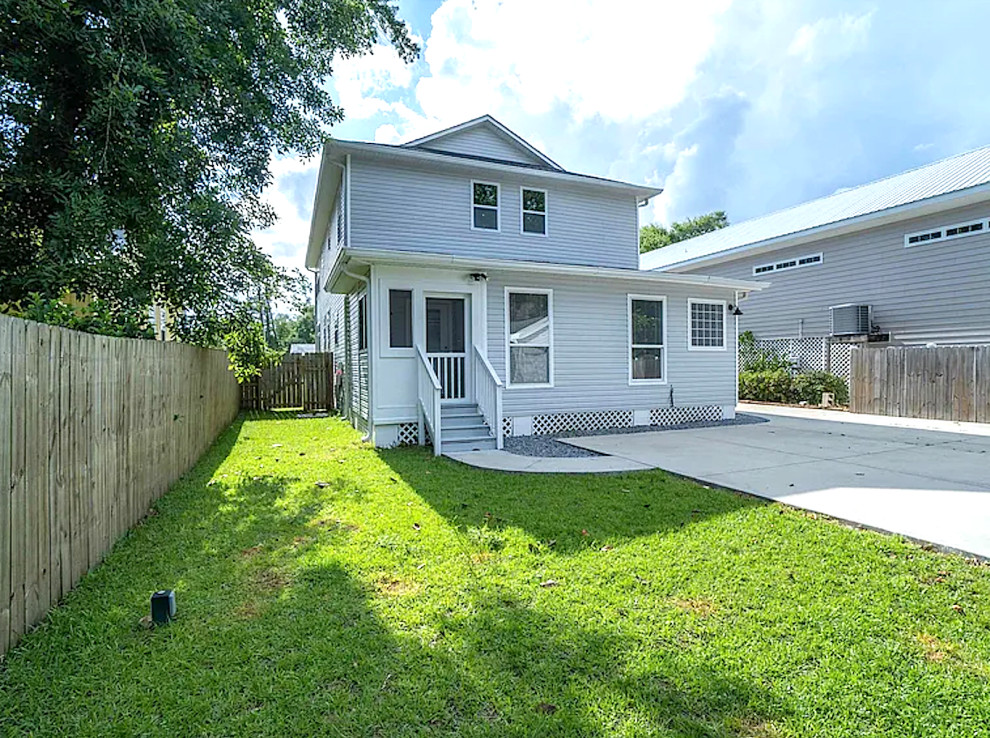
x=325 y=588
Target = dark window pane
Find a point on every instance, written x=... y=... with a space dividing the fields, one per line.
x=362 y=325
x=647 y=322
x=530 y=364
x=486 y=194
x=529 y=318
x=486 y=218
x=444 y=325
x=400 y=318
x=534 y=223
x=534 y=200
x=647 y=363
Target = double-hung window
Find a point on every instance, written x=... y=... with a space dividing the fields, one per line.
x=647 y=333
x=534 y=211
x=707 y=326
x=529 y=318
x=484 y=206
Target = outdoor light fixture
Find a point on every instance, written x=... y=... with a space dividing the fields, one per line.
x=734 y=310
x=478 y=276
x=162 y=606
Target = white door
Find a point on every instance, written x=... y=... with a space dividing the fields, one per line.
x=447 y=340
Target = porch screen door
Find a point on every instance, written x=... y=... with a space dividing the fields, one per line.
x=446 y=344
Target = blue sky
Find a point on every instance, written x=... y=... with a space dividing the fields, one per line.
x=746 y=106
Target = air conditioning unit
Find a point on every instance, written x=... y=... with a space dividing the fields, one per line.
x=850 y=320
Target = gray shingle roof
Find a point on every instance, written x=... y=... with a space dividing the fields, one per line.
x=954 y=174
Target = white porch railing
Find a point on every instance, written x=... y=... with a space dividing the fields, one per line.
x=488 y=389
x=449 y=369
x=429 y=400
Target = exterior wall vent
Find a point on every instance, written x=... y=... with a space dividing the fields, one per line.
x=850 y=320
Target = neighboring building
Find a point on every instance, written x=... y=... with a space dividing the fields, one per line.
x=302 y=348
x=427 y=251
x=903 y=260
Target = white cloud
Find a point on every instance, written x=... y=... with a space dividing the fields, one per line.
x=831 y=37
x=360 y=81
x=529 y=58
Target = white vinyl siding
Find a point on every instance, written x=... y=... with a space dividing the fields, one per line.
x=706 y=331
x=430 y=211
x=481 y=141
x=591 y=349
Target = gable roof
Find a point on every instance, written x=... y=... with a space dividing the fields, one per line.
x=949 y=183
x=434 y=141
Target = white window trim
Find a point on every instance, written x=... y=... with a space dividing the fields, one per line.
x=629 y=336
x=498 y=206
x=508 y=353
x=545 y=213
x=942 y=229
x=725 y=324
x=796 y=259
x=385 y=349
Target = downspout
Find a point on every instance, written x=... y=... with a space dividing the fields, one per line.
x=370 y=323
x=736 y=317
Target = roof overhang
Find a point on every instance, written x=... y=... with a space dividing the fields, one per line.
x=917 y=209
x=356 y=261
x=327 y=184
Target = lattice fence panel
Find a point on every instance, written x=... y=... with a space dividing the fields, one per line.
x=408 y=434
x=600 y=420
x=678 y=415
x=841 y=360
x=506 y=427
x=803 y=354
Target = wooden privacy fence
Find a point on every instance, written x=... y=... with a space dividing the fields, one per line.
x=93 y=430
x=298 y=380
x=943 y=383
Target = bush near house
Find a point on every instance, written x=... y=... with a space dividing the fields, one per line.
x=778 y=385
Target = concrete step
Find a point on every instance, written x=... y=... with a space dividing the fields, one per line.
x=478 y=444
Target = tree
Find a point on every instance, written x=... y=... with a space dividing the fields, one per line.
x=655 y=236
x=135 y=138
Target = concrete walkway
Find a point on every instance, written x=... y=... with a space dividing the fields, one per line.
x=928 y=480
x=504 y=461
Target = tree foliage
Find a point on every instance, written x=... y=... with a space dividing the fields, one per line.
x=654 y=236
x=135 y=139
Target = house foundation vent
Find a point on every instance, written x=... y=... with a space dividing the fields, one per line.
x=408 y=434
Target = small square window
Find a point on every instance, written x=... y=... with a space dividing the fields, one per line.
x=484 y=201
x=707 y=325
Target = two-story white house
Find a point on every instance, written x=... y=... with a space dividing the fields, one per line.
x=471 y=288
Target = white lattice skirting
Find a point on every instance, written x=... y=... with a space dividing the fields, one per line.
x=408 y=434
x=551 y=423
x=678 y=415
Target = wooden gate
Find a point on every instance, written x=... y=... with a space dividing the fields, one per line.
x=298 y=380
x=942 y=383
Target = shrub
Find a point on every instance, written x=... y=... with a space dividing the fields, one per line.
x=248 y=351
x=809 y=387
x=765 y=386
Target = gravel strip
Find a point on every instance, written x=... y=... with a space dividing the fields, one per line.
x=549 y=446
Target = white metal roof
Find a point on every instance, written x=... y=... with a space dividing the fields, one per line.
x=956 y=175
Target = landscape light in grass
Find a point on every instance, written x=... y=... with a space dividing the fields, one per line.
x=162 y=606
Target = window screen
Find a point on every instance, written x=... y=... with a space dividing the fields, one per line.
x=400 y=319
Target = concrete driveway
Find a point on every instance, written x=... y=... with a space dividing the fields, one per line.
x=928 y=480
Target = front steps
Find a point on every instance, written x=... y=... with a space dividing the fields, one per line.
x=463 y=428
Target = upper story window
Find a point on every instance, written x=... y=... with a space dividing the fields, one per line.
x=534 y=211
x=946 y=233
x=484 y=206
x=707 y=325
